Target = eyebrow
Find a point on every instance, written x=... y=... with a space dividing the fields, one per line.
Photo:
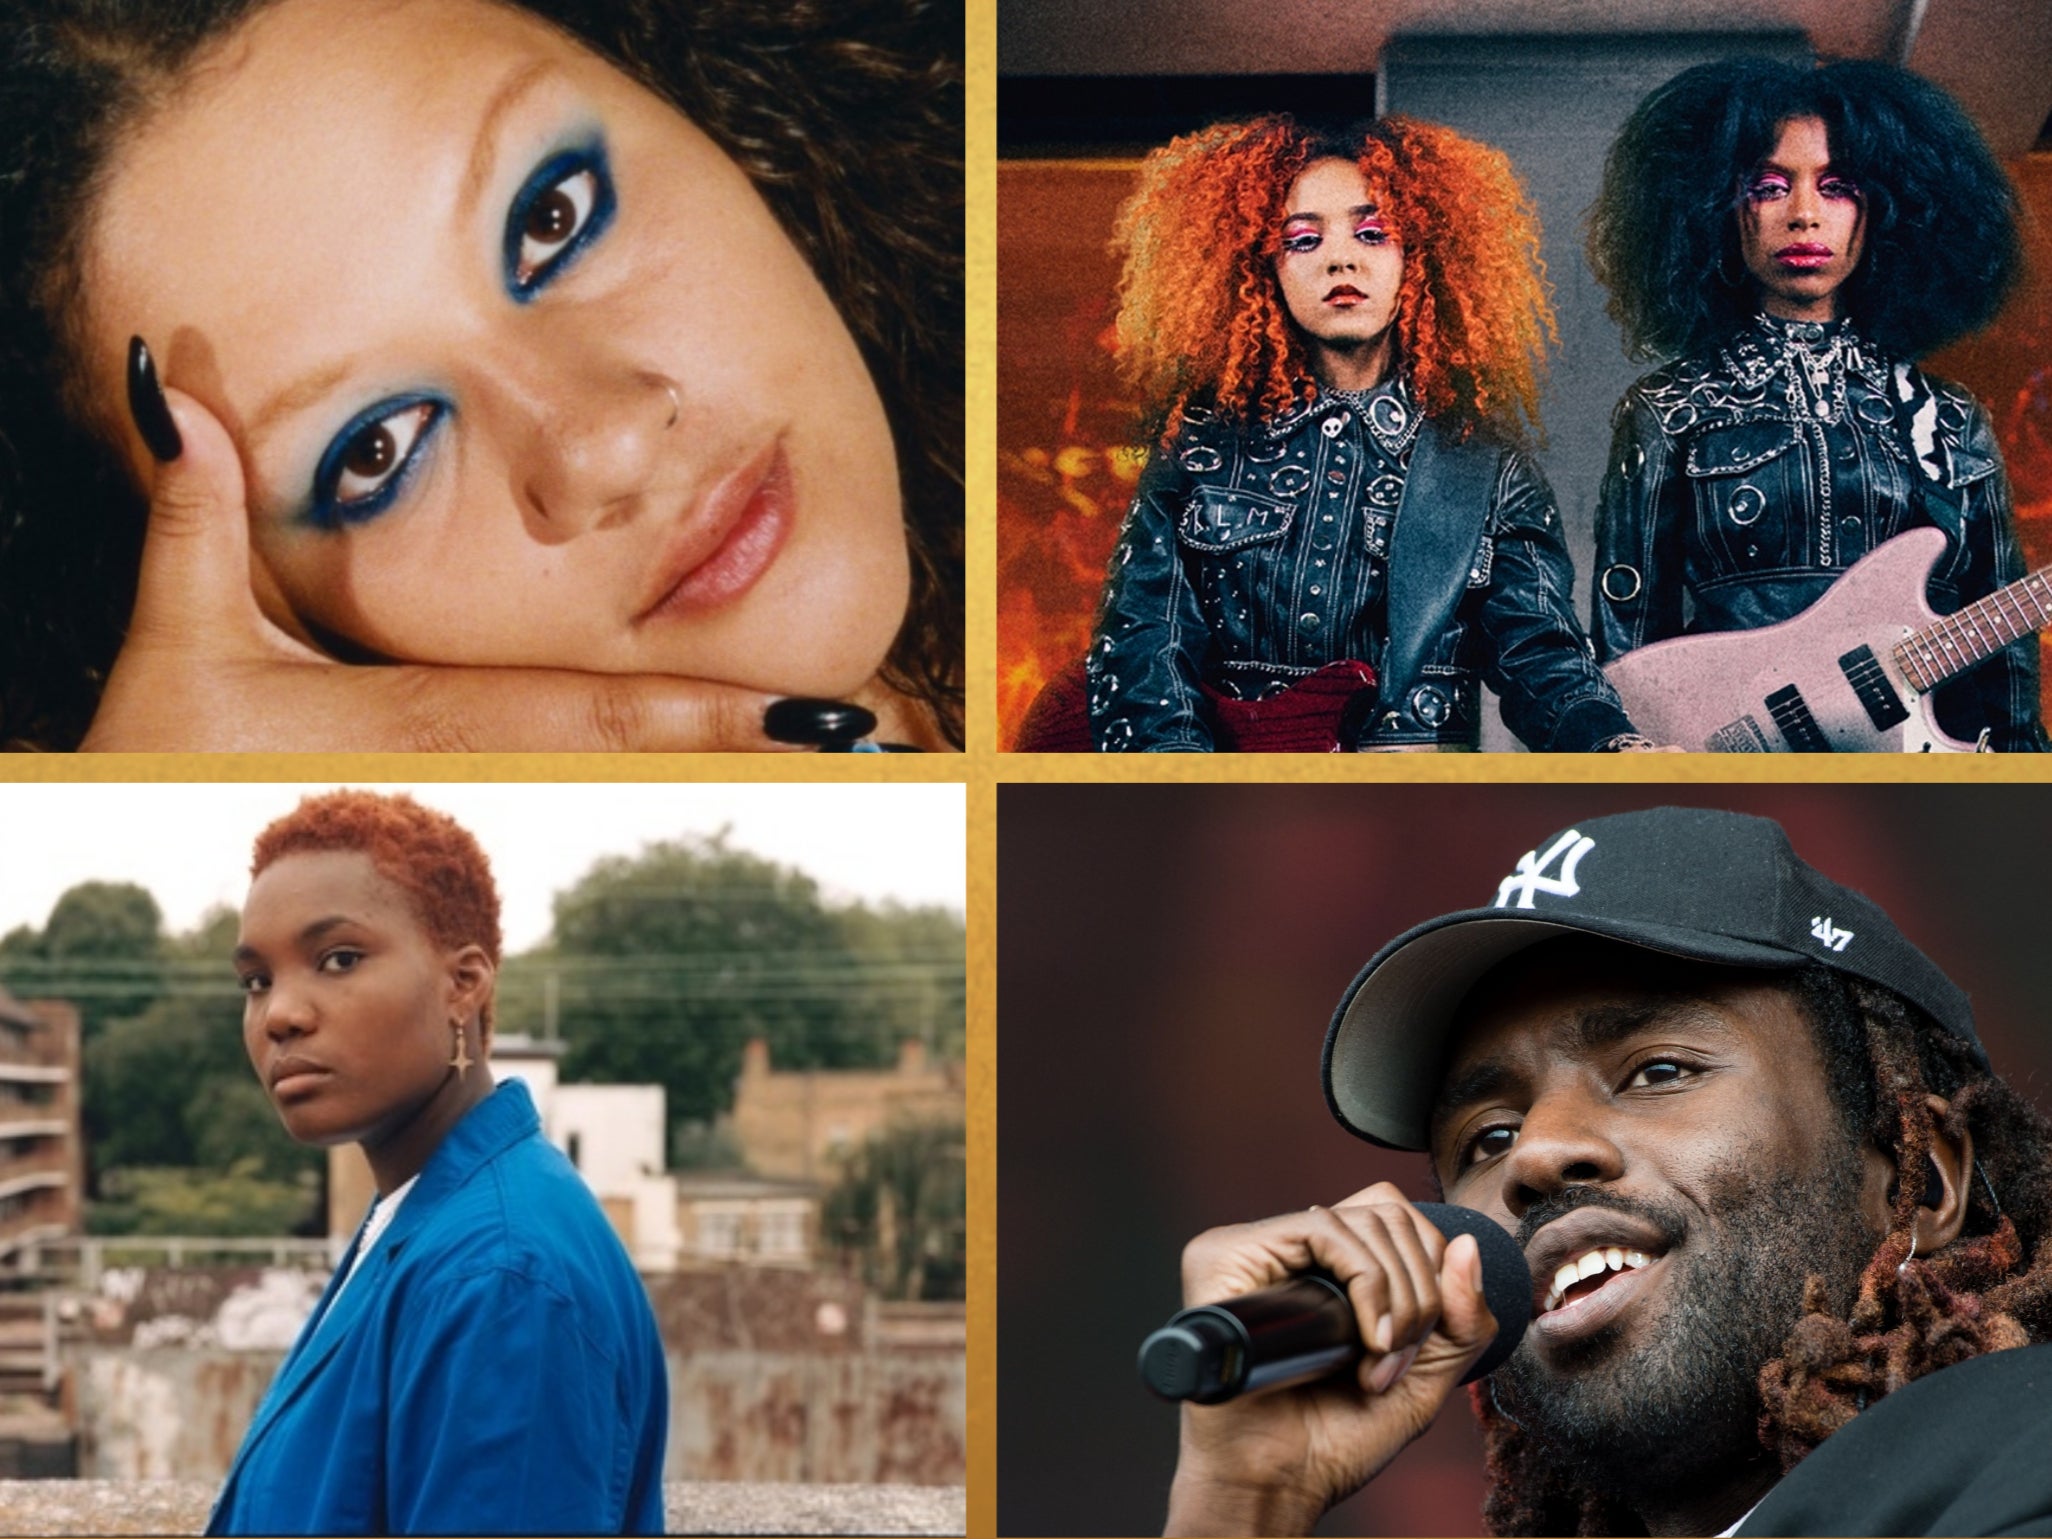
x=1591 y=1031
x=1356 y=212
x=311 y=932
x=484 y=153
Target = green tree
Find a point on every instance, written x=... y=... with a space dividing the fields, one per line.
x=918 y=957
x=101 y=947
x=172 y=1086
x=666 y=963
x=234 y=1202
x=899 y=1212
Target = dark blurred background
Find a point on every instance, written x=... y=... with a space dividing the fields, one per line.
x=1169 y=957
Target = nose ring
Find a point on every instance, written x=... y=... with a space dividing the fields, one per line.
x=674 y=406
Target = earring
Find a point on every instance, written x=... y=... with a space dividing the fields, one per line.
x=1727 y=279
x=460 y=1060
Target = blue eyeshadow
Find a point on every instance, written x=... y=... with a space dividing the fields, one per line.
x=324 y=512
x=557 y=168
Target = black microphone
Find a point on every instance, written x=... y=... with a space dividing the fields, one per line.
x=1305 y=1328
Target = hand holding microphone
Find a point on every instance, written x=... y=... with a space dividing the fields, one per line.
x=1305 y=1328
x=1421 y=1319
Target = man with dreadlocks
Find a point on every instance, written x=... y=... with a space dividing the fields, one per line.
x=1788 y=1231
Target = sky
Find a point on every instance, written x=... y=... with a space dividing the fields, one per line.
x=189 y=844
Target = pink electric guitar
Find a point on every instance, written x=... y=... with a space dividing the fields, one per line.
x=1850 y=674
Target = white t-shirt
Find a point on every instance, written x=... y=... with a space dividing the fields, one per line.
x=383 y=1211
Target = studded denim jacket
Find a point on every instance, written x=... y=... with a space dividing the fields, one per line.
x=1743 y=482
x=1253 y=556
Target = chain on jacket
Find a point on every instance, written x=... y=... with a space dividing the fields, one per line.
x=1742 y=483
x=1253 y=556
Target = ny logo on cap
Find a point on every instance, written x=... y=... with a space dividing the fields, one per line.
x=1531 y=877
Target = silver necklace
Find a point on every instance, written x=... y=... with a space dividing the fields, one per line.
x=1822 y=370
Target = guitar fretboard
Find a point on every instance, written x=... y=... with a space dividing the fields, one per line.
x=1934 y=654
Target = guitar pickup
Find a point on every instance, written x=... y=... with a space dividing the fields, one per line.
x=1791 y=714
x=1862 y=670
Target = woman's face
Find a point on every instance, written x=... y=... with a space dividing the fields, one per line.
x=1802 y=225
x=1340 y=267
x=348 y=1002
x=521 y=368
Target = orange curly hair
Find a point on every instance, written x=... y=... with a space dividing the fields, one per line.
x=427 y=853
x=1201 y=234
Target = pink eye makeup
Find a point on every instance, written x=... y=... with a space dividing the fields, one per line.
x=1371 y=230
x=1301 y=235
x=1766 y=187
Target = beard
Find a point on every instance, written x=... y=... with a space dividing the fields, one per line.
x=1687 y=1400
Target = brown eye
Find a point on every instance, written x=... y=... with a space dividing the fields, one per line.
x=1491 y=1142
x=376 y=455
x=553 y=216
x=372 y=452
x=556 y=222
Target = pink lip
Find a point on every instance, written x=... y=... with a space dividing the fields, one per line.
x=1345 y=294
x=295 y=1077
x=1803 y=255
x=724 y=543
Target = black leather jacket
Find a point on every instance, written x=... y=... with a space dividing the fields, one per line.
x=1742 y=483
x=1253 y=556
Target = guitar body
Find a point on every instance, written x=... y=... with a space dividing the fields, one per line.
x=1823 y=682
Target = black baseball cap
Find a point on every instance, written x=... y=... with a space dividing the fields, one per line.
x=1690 y=882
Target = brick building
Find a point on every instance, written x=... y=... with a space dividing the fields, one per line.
x=798 y=1124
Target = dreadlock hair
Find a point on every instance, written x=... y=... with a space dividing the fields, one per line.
x=1201 y=315
x=1941 y=217
x=1989 y=1290
x=845 y=114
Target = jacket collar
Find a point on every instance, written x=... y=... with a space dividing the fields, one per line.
x=488 y=1129
x=1389 y=410
x=1758 y=350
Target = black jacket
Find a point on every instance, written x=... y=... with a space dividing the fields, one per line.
x=1742 y=484
x=1254 y=556
x=1967 y=1450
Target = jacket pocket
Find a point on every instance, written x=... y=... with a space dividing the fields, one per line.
x=1746 y=488
x=1218 y=519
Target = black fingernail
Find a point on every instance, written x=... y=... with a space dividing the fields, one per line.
x=147 y=405
x=832 y=724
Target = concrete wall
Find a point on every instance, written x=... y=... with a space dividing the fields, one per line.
x=775 y=1375
x=181 y=1507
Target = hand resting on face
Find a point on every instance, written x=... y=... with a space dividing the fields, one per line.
x=204 y=670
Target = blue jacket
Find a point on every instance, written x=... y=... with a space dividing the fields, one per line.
x=494 y=1367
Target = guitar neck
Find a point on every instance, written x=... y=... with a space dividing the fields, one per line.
x=1930 y=656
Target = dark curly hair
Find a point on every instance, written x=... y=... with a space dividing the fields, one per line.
x=1942 y=241
x=431 y=856
x=1989 y=1290
x=1201 y=314
x=846 y=114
